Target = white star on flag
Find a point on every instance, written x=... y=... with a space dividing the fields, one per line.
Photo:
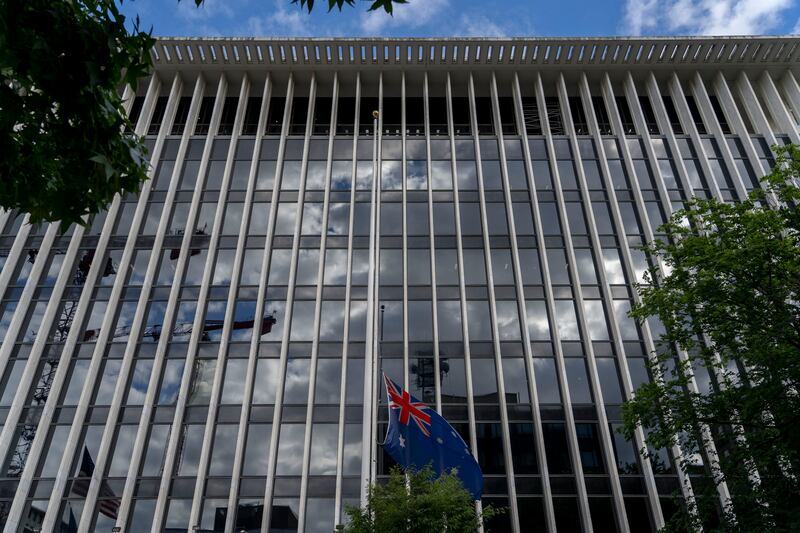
x=402 y=442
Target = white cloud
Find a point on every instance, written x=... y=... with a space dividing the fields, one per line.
x=640 y=15
x=412 y=15
x=479 y=26
x=208 y=19
x=703 y=17
x=439 y=15
x=286 y=19
x=796 y=29
x=209 y=10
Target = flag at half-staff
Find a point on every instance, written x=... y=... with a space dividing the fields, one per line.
x=418 y=437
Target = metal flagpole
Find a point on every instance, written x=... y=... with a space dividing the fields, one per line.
x=369 y=460
x=376 y=335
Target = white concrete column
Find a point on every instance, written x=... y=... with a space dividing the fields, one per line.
x=249 y=384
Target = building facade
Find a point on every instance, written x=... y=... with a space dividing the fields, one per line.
x=464 y=215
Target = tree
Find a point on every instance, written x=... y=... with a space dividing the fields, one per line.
x=417 y=502
x=64 y=150
x=727 y=298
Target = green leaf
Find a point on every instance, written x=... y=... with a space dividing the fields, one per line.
x=65 y=153
x=728 y=306
x=387 y=5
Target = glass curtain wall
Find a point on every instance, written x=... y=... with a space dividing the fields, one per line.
x=197 y=356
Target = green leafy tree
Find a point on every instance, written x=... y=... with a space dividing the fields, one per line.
x=64 y=153
x=418 y=502
x=728 y=303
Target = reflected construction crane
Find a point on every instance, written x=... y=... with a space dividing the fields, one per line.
x=42 y=389
x=64 y=324
x=185 y=328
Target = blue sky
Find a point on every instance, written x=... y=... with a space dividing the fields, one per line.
x=487 y=18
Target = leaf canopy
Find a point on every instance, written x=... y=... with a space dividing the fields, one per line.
x=727 y=367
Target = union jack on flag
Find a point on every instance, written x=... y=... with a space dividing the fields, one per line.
x=409 y=410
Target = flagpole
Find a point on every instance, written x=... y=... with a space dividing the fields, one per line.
x=376 y=181
x=369 y=459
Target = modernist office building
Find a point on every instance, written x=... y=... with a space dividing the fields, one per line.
x=204 y=355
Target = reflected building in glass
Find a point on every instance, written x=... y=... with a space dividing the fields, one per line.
x=204 y=355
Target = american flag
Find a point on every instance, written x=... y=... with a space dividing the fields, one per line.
x=107 y=503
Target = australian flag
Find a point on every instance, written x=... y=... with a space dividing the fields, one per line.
x=418 y=436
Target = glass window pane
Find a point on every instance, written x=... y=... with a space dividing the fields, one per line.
x=391 y=219
x=474 y=268
x=331 y=327
x=523 y=218
x=202 y=381
x=287 y=213
x=444 y=218
x=303 y=321
x=556 y=449
x=289 y=461
x=416 y=175
x=613 y=266
x=502 y=269
x=479 y=320
x=496 y=218
x=335 y=267
x=392 y=322
x=420 y=321
x=449 y=316
x=547 y=389
x=508 y=320
x=585 y=264
x=549 y=215
x=233 y=386
x=515 y=379
x=192 y=439
x=391 y=267
x=470 y=218
x=609 y=380
x=296 y=386
x=338 y=218
x=419 y=267
x=391 y=176
x=541 y=176
x=467 y=175
x=454 y=380
x=312 y=219
x=351 y=457
x=484 y=381
x=328 y=383
x=523 y=449
x=596 y=320
x=267 y=379
x=566 y=320
x=256 y=451
x=417 y=219
x=529 y=266
x=171 y=382
x=627 y=326
x=322 y=458
x=223 y=450
x=155 y=450
x=441 y=175
x=446 y=267
x=579 y=390
x=538 y=323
